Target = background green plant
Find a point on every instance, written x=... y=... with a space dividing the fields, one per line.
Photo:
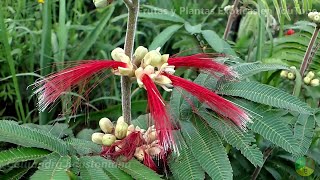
x=42 y=38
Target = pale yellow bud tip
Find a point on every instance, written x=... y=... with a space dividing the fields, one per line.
x=101 y=3
x=106 y=125
x=152 y=58
x=140 y=53
x=315 y=82
x=97 y=138
x=291 y=76
x=108 y=139
x=116 y=54
x=307 y=80
x=284 y=74
x=311 y=75
x=121 y=128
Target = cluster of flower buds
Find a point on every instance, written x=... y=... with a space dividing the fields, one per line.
x=311 y=80
x=152 y=63
x=289 y=74
x=112 y=134
x=102 y=3
x=314 y=16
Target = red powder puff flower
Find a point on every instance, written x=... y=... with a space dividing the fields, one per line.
x=150 y=68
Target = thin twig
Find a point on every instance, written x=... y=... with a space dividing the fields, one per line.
x=133 y=10
x=232 y=17
x=266 y=154
x=307 y=60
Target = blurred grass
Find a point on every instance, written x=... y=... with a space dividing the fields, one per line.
x=7 y=49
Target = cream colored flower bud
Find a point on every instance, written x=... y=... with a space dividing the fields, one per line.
x=101 y=3
x=311 y=74
x=316 y=18
x=293 y=67
x=164 y=58
x=152 y=58
x=311 y=15
x=139 y=154
x=126 y=71
x=97 y=138
x=139 y=72
x=106 y=125
x=291 y=76
x=148 y=70
x=228 y=8
x=115 y=54
x=130 y=129
x=162 y=80
x=152 y=136
x=284 y=73
x=120 y=119
x=154 y=151
x=307 y=80
x=315 y=82
x=140 y=53
x=138 y=128
x=108 y=139
x=121 y=128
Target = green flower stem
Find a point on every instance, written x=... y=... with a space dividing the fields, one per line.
x=7 y=50
x=298 y=84
x=133 y=10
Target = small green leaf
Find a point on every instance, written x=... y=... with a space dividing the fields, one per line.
x=138 y=170
x=164 y=36
x=53 y=167
x=214 y=40
x=207 y=148
x=193 y=29
x=265 y=94
x=186 y=166
x=21 y=154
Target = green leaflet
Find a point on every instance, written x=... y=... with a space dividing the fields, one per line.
x=164 y=36
x=207 y=148
x=303 y=132
x=21 y=154
x=53 y=167
x=243 y=141
x=84 y=147
x=139 y=171
x=213 y=39
x=186 y=166
x=91 y=169
x=245 y=70
x=12 y=132
x=110 y=168
x=272 y=128
x=265 y=94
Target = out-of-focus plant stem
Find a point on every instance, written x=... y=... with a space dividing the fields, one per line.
x=232 y=17
x=133 y=10
x=306 y=62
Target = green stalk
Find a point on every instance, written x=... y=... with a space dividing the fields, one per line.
x=11 y=62
x=45 y=54
x=133 y=10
